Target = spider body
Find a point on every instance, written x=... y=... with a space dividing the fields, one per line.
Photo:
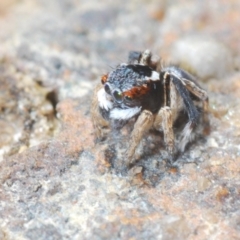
x=153 y=95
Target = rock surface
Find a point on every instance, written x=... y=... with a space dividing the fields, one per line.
x=56 y=181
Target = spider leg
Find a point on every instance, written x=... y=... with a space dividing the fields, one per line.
x=193 y=114
x=142 y=58
x=143 y=123
x=190 y=83
x=145 y=58
x=167 y=114
x=99 y=123
x=164 y=120
x=202 y=95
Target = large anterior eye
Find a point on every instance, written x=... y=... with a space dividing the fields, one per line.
x=117 y=95
x=107 y=88
x=128 y=98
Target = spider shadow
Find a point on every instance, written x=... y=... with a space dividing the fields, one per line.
x=151 y=155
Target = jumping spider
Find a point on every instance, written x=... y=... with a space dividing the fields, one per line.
x=154 y=96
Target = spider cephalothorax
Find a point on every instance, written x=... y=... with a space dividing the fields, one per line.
x=153 y=95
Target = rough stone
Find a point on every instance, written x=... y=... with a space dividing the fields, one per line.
x=57 y=182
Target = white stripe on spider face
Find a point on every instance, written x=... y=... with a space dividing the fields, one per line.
x=103 y=100
x=153 y=77
x=124 y=114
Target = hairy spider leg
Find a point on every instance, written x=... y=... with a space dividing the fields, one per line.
x=143 y=124
x=202 y=95
x=193 y=114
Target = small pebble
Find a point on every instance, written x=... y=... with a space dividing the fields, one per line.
x=195 y=153
x=212 y=143
x=202 y=183
x=203 y=56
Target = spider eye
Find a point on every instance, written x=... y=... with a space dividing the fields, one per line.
x=107 y=88
x=117 y=95
x=128 y=98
